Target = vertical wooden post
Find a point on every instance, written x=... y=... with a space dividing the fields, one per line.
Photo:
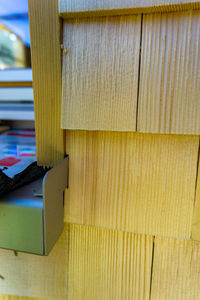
x=46 y=66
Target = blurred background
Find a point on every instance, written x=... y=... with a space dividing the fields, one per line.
x=14 y=34
x=16 y=92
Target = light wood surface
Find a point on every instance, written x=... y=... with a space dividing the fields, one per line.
x=169 y=96
x=76 y=8
x=137 y=182
x=98 y=263
x=100 y=73
x=176 y=266
x=87 y=263
x=46 y=66
x=108 y=265
x=196 y=215
x=36 y=276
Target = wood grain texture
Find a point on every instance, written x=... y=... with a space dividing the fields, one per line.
x=46 y=66
x=176 y=268
x=36 y=276
x=76 y=8
x=196 y=215
x=100 y=73
x=87 y=263
x=109 y=265
x=169 y=97
x=135 y=182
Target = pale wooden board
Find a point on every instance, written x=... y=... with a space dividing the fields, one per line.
x=176 y=266
x=100 y=73
x=46 y=66
x=99 y=263
x=169 y=97
x=76 y=8
x=36 y=276
x=108 y=265
x=136 y=182
x=196 y=215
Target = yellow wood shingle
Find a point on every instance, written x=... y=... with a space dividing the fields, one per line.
x=135 y=182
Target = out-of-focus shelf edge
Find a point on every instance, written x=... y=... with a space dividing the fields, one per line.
x=16 y=111
x=19 y=76
x=16 y=84
x=72 y=9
